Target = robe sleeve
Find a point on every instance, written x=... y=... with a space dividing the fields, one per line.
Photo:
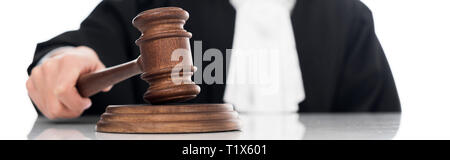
x=107 y=30
x=368 y=81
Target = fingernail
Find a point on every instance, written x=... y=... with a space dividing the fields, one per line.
x=88 y=105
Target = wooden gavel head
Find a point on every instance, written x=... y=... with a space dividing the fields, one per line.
x=164 y=47
x=166 y=65
x=165 y=61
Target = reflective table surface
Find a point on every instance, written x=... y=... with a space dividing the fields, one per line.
x=255 y=126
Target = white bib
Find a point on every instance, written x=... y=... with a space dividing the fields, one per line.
x=264 y=72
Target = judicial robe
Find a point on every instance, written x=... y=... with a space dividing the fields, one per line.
x=344 y=68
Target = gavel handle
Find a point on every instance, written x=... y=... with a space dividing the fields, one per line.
x=92 y=83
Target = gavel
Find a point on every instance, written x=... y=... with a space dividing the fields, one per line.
x=163 y=38
x=162 y=34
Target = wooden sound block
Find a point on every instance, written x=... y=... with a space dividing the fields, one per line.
x=168 y=118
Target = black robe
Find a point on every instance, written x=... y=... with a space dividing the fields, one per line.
x=343 y=66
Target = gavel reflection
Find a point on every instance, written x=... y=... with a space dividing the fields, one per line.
x=162 y=35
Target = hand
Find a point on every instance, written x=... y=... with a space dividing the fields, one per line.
x=51 y=85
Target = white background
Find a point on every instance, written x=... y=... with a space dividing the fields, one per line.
x=415 y=35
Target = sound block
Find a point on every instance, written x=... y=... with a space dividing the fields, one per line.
x=191 y=118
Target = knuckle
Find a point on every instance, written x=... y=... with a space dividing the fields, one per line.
x=48 y=64
x=29 y=84
x=60 y=90
x=36 y=70
x=65 y=58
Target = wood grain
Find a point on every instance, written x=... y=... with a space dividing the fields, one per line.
x=92 y=83
x=169 y=118
x=162 y=36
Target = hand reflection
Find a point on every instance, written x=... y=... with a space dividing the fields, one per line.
x=74 y=129
x=61 y=134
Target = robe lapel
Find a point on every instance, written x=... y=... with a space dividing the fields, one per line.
x=310 y=46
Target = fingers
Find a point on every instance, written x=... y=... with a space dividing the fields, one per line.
x=33 y=86
x=32 y=93
x=51 y=86
x=70 y=98
x=64 y=90
x=56 y=110
x=68 y=95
